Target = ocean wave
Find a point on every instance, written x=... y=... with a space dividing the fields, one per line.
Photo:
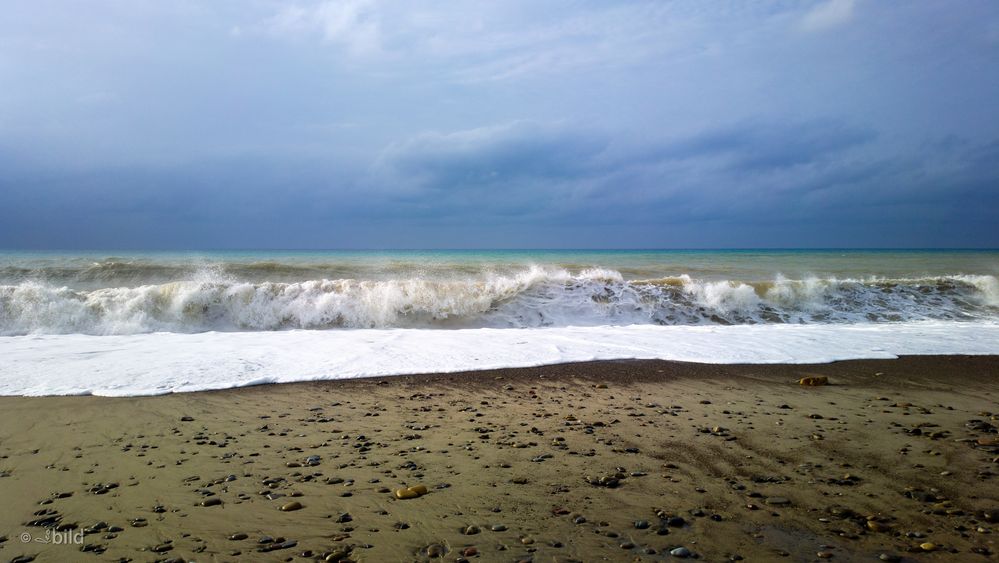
x=136 y=272
x=535 y=296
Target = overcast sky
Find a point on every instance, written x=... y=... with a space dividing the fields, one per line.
x=366 y=124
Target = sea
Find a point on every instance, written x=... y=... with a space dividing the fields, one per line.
x=139 y=323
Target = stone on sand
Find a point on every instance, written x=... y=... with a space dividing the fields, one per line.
x=813 y=381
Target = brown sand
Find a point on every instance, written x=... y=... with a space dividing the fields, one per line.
x=721 y=460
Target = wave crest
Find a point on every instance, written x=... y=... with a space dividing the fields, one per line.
x=533 y=296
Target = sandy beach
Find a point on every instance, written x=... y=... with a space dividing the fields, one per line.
x=608 y=461
x=364 y=281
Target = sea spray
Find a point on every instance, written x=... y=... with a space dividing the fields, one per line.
x=534 y=296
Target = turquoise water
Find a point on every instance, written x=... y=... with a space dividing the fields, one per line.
x=81 y=267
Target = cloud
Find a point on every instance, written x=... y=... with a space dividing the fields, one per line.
x=739 y=171
x=756 y=145
x=477 y=42
x=314 y=117
x=569 y=173
x=506 y=157
x=605 y=36
x=828 y=14
x=522 y=181
x=354 y=24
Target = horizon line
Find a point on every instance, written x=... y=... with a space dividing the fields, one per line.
x=523 y=249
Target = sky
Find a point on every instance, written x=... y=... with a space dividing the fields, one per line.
x=218 y=124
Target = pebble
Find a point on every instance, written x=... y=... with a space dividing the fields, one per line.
x=778 y=501
x=813 y=381
x=403 y=494
x=340 y=554
x=608 y=481
x=293 y=505
x=681 y=552
x=97 y=527
x=990 y=515
x=238 y=536
x=876 y=526
x=161 y=548
x=889 y=557
x=928 y=546
x=211 y=501
x=435 y=550
x=411 y=492
x=471 y=530
x=498 y=528
x=287 y=544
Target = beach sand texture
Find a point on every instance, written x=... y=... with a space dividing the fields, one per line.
x=608 y=461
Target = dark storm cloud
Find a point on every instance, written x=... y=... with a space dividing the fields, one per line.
x=767 y=146
x=495 y=155
x=496 y=166
x=362 y=123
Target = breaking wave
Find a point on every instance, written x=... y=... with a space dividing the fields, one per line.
x=532 y=296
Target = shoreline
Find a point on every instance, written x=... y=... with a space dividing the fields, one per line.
x=648 y=371
x=159 y=363
x=592 y=461
x=634 y=371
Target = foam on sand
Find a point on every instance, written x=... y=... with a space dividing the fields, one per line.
x=147 y=364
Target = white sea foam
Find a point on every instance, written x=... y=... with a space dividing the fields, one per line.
x=144 y=364
x=535 y=296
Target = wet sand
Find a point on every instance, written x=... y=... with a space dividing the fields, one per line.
x=607 y=461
